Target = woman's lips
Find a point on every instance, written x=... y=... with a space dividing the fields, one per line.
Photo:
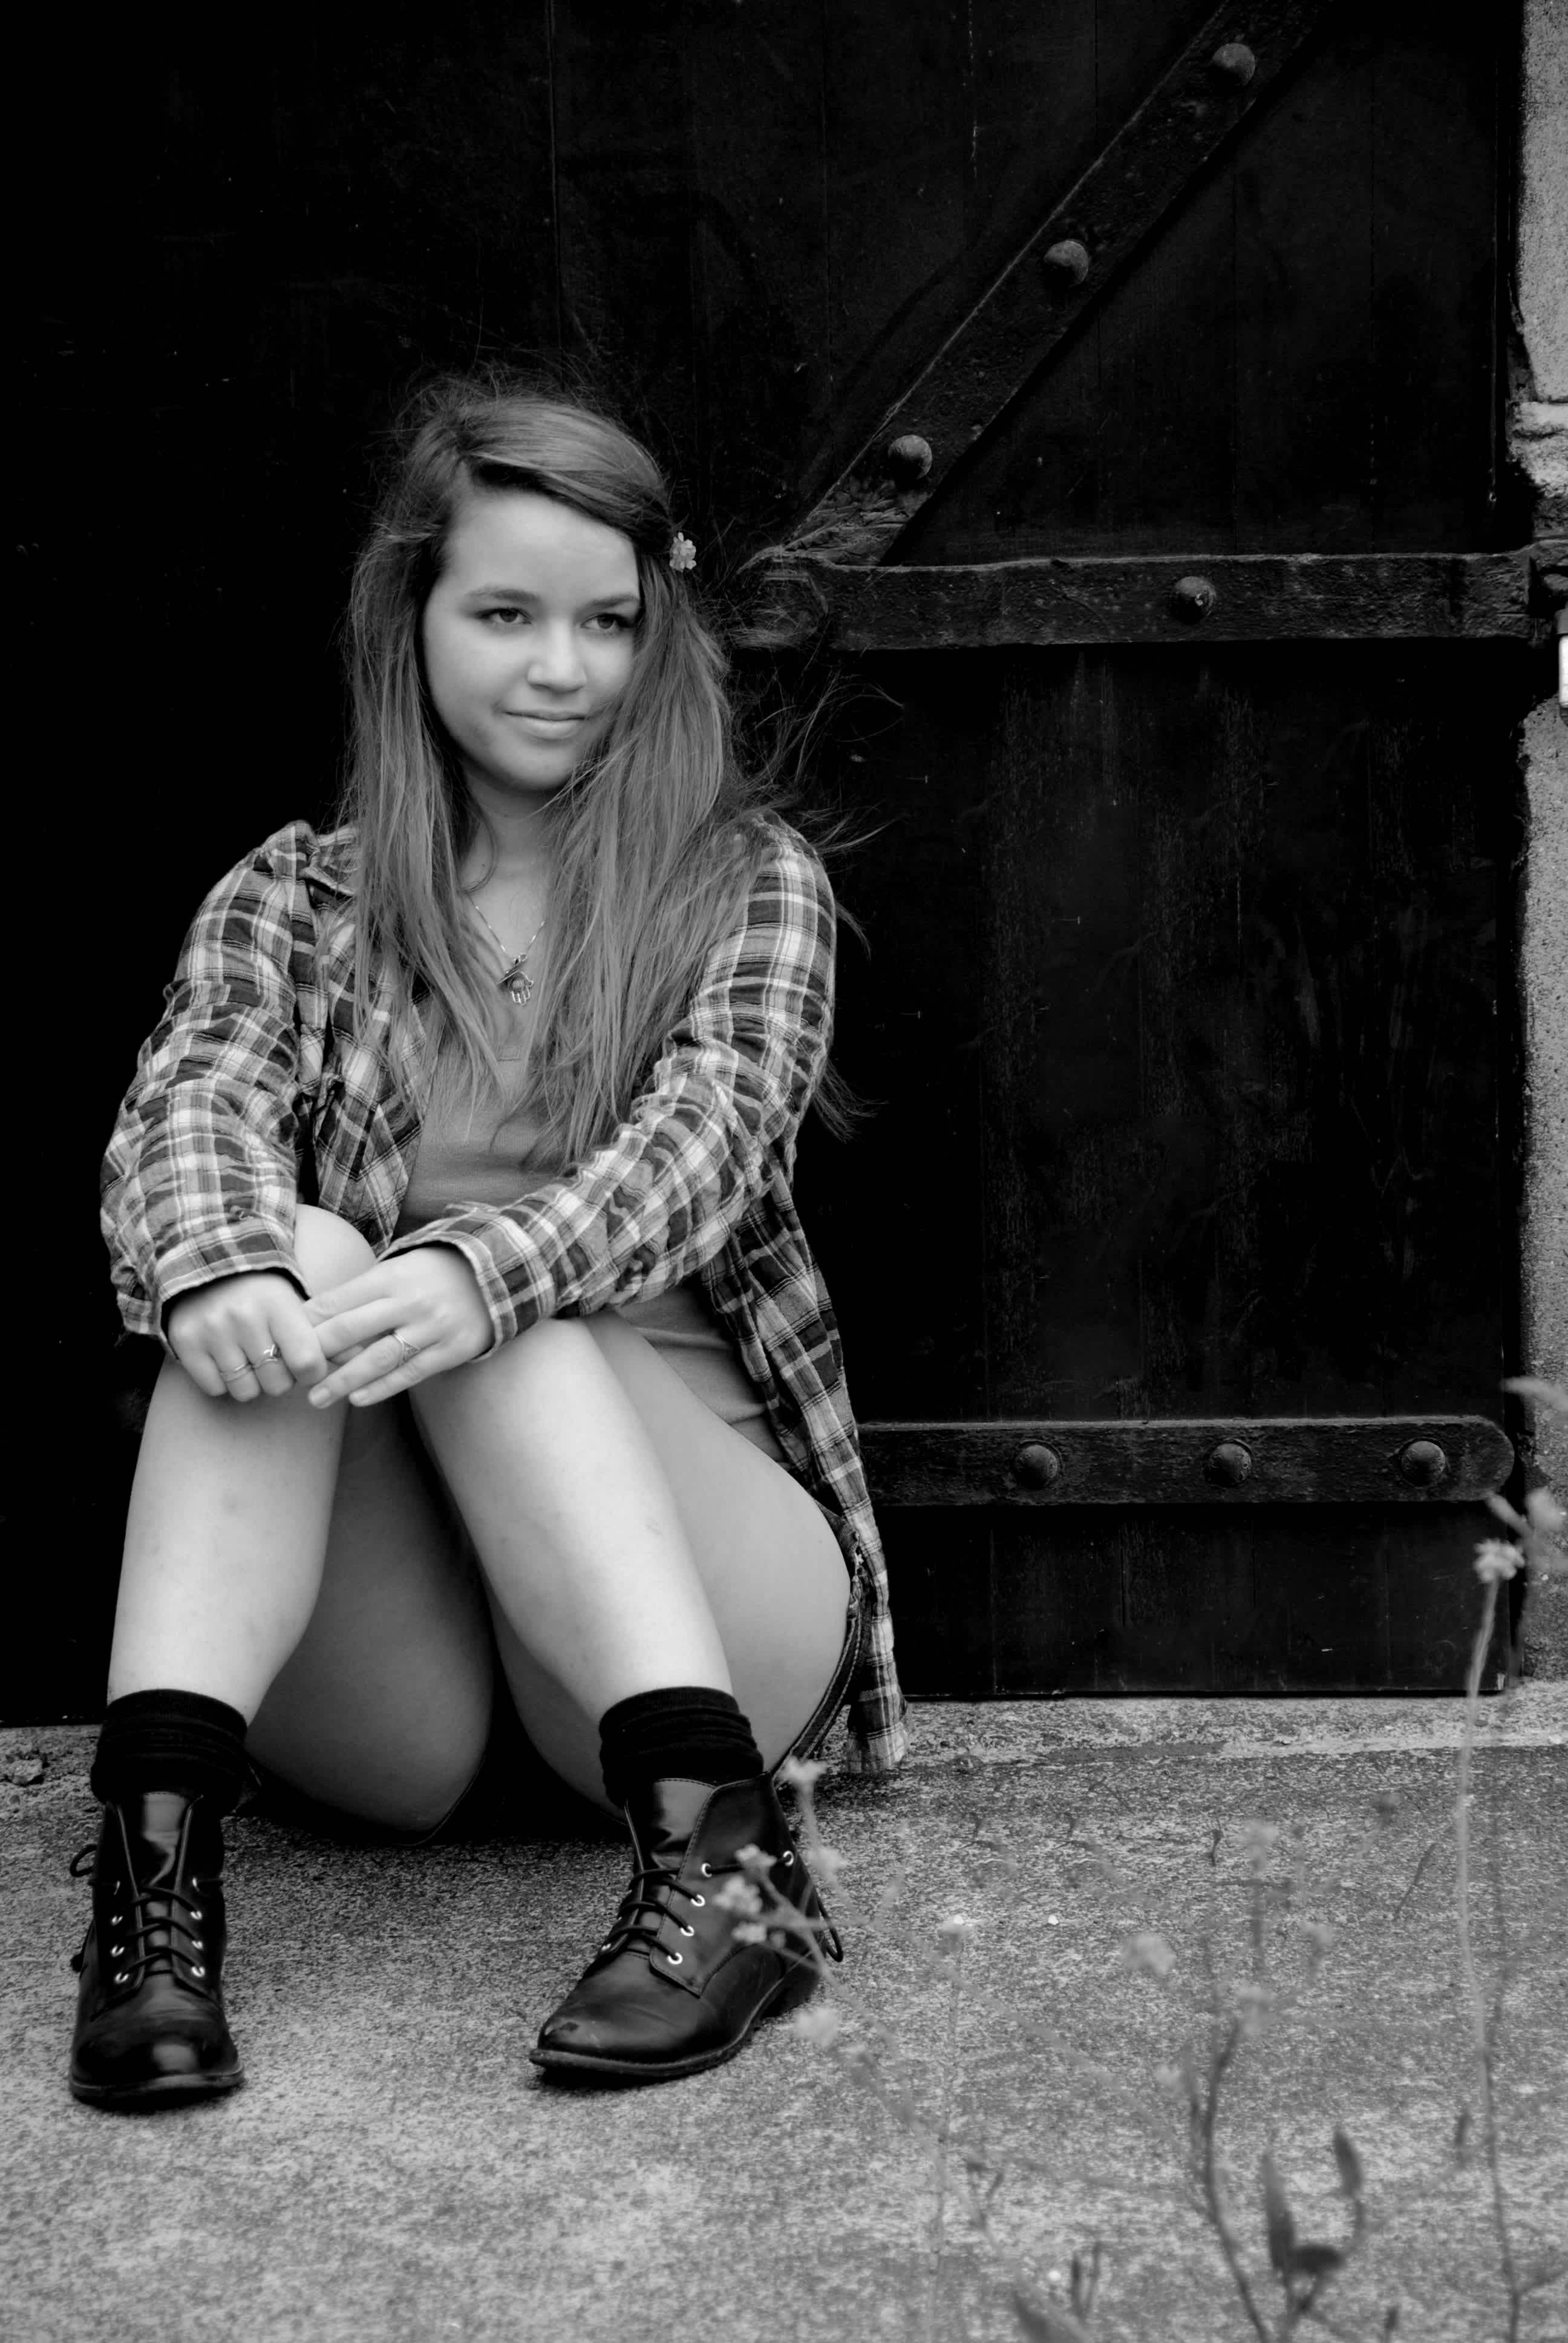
x=543 y=728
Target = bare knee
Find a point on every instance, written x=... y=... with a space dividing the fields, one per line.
x=328 y=1249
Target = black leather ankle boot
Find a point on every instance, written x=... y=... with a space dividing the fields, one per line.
x=150 y=2026
x=671 y=1990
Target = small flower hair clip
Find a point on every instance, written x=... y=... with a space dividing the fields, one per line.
x=682 y=553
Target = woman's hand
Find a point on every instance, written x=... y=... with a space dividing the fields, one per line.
x=245 y=1337
x=397 y=1324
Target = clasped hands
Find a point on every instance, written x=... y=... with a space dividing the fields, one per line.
x=396 y=1324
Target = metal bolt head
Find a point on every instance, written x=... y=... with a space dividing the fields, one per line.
x=1065 y=264
x=1423 y=1463
x=1191 y=599
x=1036 y=1466
x=1234 y=63
x=1230 y=1464
x=910 y=457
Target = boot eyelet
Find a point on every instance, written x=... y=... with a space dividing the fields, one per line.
x=698 y=1903
x=194 y=1914
x=686 y=1931
x=708 y=1871
x=117 y=1919
x=787 y=1859
x=117 y=1952
x=676 y=1960
x=196 y=1969
x=122 y=1976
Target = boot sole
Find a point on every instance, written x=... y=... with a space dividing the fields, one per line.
x=580 y=2067
x=167 y=2090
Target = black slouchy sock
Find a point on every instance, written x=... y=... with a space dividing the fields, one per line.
x=686 y=1732
x=171 y=1740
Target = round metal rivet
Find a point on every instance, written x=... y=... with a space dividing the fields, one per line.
x=1234 y=62
x=675 y=1959
x=1036 y=1466
x=1229 y=1463
x=1067 y=263
x=1423 y=1463
x=1191 y=599
x=910 y=457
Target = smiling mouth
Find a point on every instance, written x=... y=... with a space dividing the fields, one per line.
x=546 y=716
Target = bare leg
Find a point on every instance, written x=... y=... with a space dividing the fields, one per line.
x=226 y=1530
x=629 y=1539
x=311 y=1581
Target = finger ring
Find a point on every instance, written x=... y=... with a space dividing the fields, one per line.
x=273 y=1354
x=405 y=1349
x=238 y=1373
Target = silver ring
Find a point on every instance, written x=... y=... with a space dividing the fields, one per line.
x=239 y=1373
x=273 y=1354
x=406 y=1351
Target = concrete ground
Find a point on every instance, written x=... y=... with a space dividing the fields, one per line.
x=395 y=2168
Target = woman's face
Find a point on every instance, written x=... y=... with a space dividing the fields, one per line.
x=530 y=635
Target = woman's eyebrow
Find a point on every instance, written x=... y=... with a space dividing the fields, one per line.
x=526 y=593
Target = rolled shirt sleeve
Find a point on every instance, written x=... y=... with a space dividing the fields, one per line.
x=202 y=1174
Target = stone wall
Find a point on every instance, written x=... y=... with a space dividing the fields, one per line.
x=1539 y=435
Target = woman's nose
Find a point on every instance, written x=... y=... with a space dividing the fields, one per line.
x=555 y=660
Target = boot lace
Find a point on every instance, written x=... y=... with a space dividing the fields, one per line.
x=646 y=1904
x=132 y=1954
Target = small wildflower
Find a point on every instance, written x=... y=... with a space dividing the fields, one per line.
x=750 y=1932
x=1496 y=1560
x=1148 y=1951
x=682 y=552
x=827 y=1864
x=819 y=2023
x=740 y=1897
x=800 y=1772
x=755 y=1864
x=955 y=1931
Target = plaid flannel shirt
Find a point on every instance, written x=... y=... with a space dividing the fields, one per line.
x=254 y=1091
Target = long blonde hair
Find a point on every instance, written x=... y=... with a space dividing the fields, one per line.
x=657 y=835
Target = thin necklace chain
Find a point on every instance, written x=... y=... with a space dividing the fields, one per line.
x=515 y=979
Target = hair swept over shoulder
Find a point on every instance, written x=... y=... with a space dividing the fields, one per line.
x=658 y=834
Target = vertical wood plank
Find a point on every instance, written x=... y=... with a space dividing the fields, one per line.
x=1434 y=166
x=900 y=131
x=910 y=1042
x=624 y=194
x=1304 y=294
x=755 y=78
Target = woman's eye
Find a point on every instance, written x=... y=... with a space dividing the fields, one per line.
x=503 y=615
x=613 y=622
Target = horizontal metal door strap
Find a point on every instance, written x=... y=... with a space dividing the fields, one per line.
x=1143 y=598
x=1181 y=1460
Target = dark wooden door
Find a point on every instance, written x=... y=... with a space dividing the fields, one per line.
x=1123 y=426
